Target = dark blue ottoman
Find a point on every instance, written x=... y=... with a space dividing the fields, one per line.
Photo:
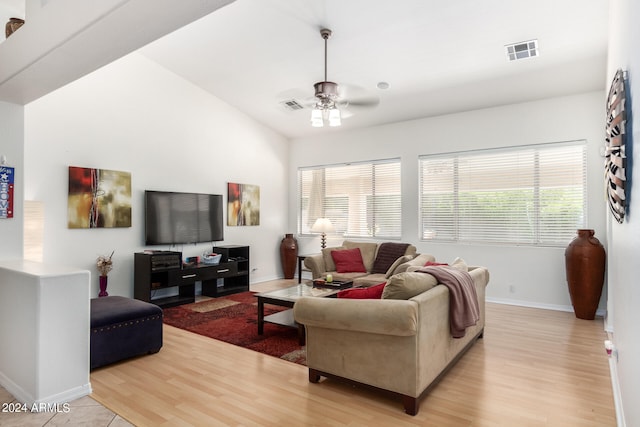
x=122 y=328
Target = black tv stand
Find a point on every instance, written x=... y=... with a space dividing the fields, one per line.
x=154 y=270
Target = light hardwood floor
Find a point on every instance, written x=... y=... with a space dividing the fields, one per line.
x=533 y=368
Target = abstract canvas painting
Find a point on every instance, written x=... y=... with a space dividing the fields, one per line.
x=243 y=204
x=98 y=198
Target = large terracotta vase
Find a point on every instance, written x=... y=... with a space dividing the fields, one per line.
x=585 y=264
x=289 y=255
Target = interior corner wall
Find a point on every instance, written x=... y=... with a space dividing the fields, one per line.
x=532 y=276
x=623 y=260
x=11 y=146
x=135 y=116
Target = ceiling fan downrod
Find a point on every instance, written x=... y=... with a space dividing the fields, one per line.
x=325 y=33
x=326 y=90
x=326 y=93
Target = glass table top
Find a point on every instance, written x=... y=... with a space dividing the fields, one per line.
x=298 y=291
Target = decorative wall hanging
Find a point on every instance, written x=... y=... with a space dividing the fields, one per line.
x=243 y=204
x=12 y=25
x=6 y=191
x=98 y=198
x=616 y=160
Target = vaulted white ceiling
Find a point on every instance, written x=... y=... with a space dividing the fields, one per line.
x=438 y=57
x=63 y=40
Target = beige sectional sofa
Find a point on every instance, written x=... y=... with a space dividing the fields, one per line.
x=323 y=264
x=400 y=345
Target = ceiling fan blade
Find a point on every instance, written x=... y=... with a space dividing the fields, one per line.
x=345 y=113
x=356 y=96
x=363 y=102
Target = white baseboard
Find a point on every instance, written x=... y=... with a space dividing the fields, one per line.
x=28 y=399
x=14 y=389
x=67 y=395
x=556 y=307
x=617 y=394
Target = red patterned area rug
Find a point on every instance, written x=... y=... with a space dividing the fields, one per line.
x=234 y=319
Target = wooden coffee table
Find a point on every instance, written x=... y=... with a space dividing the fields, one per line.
x=287 y=297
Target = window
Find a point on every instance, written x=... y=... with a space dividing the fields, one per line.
x=534 y=195
x=361 y=199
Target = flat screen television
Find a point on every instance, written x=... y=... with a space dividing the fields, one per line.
x=175 y=218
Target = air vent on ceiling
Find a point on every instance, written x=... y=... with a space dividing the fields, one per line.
x=292 y=104
x=522 y=50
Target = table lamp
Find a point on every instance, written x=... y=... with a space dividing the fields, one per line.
x=323 y=226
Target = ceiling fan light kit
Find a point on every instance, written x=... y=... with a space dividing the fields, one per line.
x=326 y=93
x=332 y=102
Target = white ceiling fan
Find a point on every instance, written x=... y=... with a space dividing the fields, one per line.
x=333 y=102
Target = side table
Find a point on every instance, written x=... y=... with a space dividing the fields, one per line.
x=301 y=258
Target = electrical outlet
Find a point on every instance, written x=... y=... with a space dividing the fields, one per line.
x=512 y=289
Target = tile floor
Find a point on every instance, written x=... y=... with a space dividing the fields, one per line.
x=81 y=412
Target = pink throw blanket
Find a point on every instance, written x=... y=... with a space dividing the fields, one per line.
x=463 y=298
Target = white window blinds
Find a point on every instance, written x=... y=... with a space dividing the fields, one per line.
x=360 y=199
x=534 y=195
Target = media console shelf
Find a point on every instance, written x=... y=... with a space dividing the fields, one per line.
x=155 y=270
x=236 y=259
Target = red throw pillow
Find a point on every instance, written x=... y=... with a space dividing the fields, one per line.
x=434 y=264
x=372 y=292
x=348 y=261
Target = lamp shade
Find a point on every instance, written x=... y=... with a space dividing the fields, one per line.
x=334 y=117
x=316 y=118
x=322 y=225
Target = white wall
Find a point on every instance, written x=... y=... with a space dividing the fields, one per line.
x=536 y=274
x=11 y=136
x=44 y=328
x=135 y=116
x=624 y=257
